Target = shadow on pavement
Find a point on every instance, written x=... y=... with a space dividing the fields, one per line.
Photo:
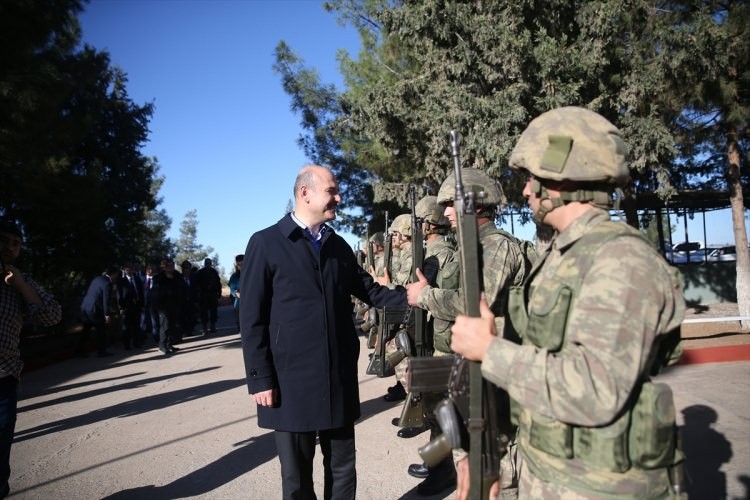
x=247 y=456
x=59 y=388
x=104 y=390
x=706 y=450
x=372 y=407
x=130 y=408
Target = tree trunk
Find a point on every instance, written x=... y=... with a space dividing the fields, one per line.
x=740 y=232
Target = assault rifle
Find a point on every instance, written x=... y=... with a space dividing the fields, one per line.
x=390 y=318
x=412 y=414
x=387 y=248
x=370 y=256
x=468 y=416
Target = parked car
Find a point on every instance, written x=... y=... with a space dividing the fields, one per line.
x=726 y=253
x=696 y=256
x=687 y=251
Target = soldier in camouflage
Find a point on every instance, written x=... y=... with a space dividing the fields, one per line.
x=599 y=314
x=401 y=274
x=401 y=263
x=503 y=260
x=503 y=266
x=374 y=245
x=377 y=242
x=441 y=269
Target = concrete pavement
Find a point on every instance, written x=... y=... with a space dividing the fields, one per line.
x=144 y=426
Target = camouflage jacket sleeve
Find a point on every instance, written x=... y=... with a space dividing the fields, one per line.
x=626 y=299
x=503 y=265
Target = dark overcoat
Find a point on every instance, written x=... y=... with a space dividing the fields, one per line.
x=297 y=327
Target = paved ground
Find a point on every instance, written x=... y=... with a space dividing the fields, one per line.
x=144 y=426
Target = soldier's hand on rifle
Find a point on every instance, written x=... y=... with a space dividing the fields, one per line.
x=471 y=337
x=385 y=279
x=463 y=481
x=413 y=289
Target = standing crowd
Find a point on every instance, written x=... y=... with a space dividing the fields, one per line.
x=159 y=303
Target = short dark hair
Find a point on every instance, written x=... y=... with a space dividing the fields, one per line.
x=239 y=257
x=9 y=227
x=112 y=269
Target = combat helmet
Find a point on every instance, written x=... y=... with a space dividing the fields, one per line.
x=572 y=144
x=487 y=194
x=378 y=238
x=401 y=224
x=429 y=211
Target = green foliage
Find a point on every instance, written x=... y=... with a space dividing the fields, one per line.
x=672 y=76
x=71 y=169
x=187 y=244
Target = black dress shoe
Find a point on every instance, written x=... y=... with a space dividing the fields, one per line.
x=395 y=393
x=391 y=397
x=396 y=388
x=173 y=349
x=396 y=421
x=436 y=483
x=420 y=471
x=410 y=432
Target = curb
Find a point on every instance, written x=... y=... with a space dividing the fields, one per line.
x=720 y=354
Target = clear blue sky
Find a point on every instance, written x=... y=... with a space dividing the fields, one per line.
x=222 y=130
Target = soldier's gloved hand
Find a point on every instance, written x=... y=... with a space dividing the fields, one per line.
x=471 y=337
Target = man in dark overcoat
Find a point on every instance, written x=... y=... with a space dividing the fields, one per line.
x=298 y=338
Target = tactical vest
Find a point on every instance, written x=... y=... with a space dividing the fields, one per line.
x=448 y=278
x=643 y=435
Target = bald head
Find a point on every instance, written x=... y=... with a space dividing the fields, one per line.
x=316 y=195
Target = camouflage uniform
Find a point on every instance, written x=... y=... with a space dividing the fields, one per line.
x=504 y=267
x=597 y=318
x=401 y=271
x=444 y=252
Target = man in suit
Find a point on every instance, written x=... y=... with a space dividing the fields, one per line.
x=130 y=299
x=298 y=338
x=210 y=291
x=95 y=311
x=150 y=319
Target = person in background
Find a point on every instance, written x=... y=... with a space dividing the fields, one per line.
x=96 y=311
x=210 y=286
x=21 y=299
x=234 y=287
x=170 y=290
x=130 y=300
x=150 y=315
x=190 y=299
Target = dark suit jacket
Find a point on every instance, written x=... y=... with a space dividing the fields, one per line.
x=130 y=297
x=96 y=301
x=297 y=326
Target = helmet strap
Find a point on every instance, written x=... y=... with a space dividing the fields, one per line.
x=543 y=195
x=599 y=198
